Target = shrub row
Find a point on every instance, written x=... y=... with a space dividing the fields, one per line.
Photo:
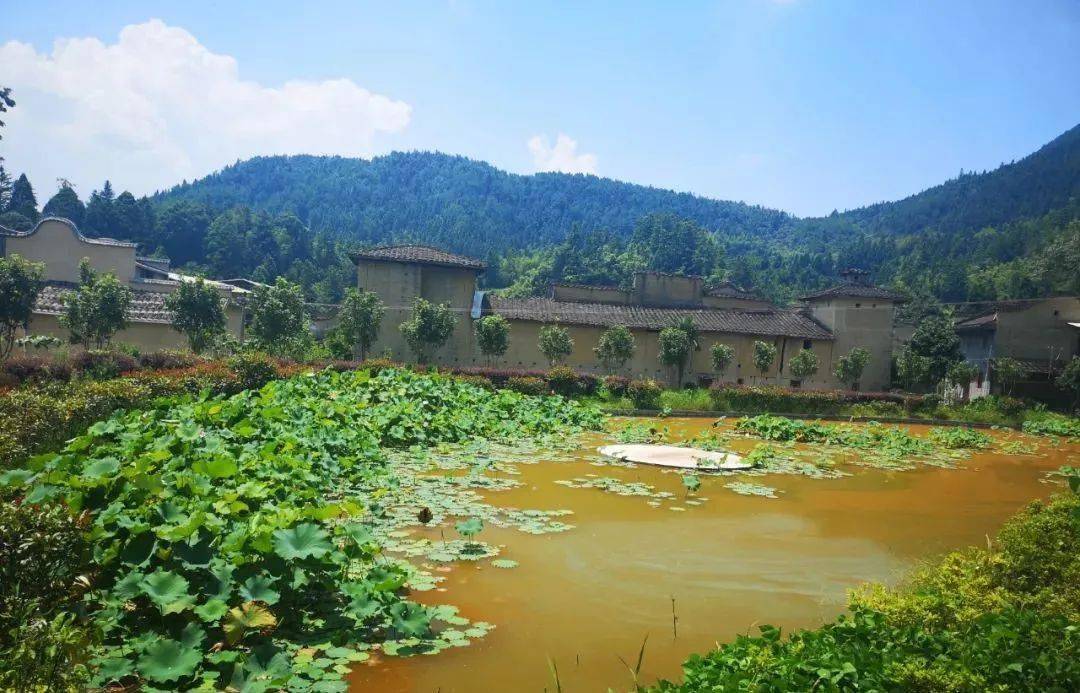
x=94 y=365
x=749 y=399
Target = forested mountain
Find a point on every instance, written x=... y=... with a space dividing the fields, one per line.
x=457 y=203
x=1010 y=233
x=1042 y=181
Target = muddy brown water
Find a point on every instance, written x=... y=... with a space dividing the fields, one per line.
x=582 y=599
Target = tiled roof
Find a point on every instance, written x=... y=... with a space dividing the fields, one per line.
x=420 y=254
x=851 y=290
x=71 y=225
x=146 y=306
x=594 y=287
x=729 y=290
x=763 y=322
x=980 y=322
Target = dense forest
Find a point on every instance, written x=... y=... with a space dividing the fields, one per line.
x=1010 y=233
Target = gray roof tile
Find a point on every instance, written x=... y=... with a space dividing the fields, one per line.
x=770 y=323
x=421 y=254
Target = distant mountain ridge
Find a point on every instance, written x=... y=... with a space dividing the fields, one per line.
x=454 y=202
x=470 y=206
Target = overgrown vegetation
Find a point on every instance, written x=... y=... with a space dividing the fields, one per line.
x=1002 y=618
x=239 y=534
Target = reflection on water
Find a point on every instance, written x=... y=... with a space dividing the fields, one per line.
x=583 y=598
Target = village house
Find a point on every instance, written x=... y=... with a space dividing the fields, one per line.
x=1041 y=334
x=58 y=245
x=830 y=322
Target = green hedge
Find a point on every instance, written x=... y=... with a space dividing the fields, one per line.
x=792 y=401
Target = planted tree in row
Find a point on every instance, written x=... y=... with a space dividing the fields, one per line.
x=492 y=336
x=555 y=343
x=97 y=310
x=279 y=321
x=675 y=349
x=850 y=367
x=20 y=283
x=803 y=364
x=614 y=348
x=428 y=329
x=764 y=357
x=722 y=357
x=198 y=313
x=360 y=319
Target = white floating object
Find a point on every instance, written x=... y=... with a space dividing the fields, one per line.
x=675 y=456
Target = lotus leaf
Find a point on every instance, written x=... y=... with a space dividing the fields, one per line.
x=245 y=618
x=168 y=660
x=168 y=591
x=303 y=540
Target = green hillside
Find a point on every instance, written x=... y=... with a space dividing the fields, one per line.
x=1010 y=233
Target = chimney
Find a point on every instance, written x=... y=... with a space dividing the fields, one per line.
x=853 y=275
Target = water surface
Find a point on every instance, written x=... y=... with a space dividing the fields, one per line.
x=582 y=599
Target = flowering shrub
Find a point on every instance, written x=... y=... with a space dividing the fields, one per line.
x=645 y=394
x=527 y=385
x=616 y=385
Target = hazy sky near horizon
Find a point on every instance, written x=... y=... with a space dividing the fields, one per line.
x=801 y=105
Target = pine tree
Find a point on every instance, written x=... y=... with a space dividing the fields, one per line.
x=99 y=219
x=22 y=199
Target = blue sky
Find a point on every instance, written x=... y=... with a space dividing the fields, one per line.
x=803 y=105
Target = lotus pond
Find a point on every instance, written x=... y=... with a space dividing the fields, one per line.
x=615 y=553
x=396 y=531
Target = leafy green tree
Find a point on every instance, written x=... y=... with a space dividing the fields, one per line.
x=614 y=348
x=555 y=343
x=198 y=313
x=22 y=200
x=360 y=319
x=668 y=243
x=960 y=374
x=764 y=357
x=429 y=328
x=722 y=357
x=66 y=204
x=936 y=340
x=97 y=310
x=675 y=349
x=492 y=336
x=20 y=283
x=849 y=367
x=803 y=364
x=1009 y=372
x=912 y=370
x=1069 y=380
x=279 y=321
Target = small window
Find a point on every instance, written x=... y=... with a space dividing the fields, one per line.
x=796 y=384
x=858 y=305
x=739 y=381
x=806 y=344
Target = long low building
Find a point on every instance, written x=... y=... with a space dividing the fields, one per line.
x=830 y=323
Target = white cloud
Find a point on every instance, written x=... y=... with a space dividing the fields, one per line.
x=562 y=157
x=157 y=107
